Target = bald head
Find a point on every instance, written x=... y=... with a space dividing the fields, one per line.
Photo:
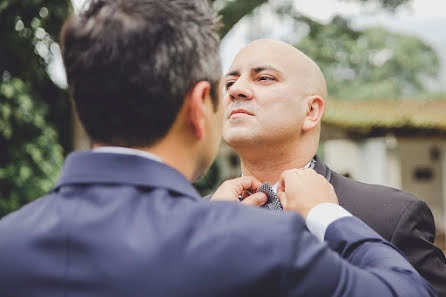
x=275 y=94
x=274 y=103
x=291 y=61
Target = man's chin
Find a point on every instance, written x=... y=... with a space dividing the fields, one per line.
x=238 y=140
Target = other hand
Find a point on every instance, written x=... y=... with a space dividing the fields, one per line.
x=302 y=189
x=231 y=189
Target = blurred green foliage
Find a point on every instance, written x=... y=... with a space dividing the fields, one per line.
x=30 y=155
x=34 y=112
x=232 y=11
x=29 y=30
x=373 y=63
x=208 y=183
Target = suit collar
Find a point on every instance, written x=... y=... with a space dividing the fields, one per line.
x=99 y=167
x=322 y=169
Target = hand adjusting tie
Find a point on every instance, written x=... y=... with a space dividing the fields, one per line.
x=273 y=202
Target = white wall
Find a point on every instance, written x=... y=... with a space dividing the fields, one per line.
x=342 y=156
x=374 y=160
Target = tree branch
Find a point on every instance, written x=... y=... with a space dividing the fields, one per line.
x=234 y=11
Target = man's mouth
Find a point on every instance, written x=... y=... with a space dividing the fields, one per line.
x=239 y=111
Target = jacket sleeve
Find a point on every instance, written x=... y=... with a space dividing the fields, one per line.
x=358 y=262
x=414 y=235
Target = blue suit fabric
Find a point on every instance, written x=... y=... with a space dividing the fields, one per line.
x=124 y=225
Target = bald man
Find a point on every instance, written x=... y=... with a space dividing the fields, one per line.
x=274 y=102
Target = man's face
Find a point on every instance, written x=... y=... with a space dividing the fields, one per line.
x=264 y=101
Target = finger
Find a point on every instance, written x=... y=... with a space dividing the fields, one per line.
x=283 y=180
x=246 y=193
x=287 y=175
x=223 y=198
x=256 y=199
x=248 y=183
x=282 y=199
x=281 y=185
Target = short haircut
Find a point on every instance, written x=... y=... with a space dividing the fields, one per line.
x=130 y=63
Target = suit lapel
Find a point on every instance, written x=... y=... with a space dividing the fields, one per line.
x=322 y=169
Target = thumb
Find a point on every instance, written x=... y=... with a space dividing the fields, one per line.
x=282 y=197
x=256 y=199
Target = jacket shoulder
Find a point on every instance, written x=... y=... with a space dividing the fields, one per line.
x=378 y=206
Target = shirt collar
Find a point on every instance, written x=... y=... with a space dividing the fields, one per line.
x=277 y=183
x=127 y=151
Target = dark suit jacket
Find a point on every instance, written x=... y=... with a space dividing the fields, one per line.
x=124 y=225
x=398 y=217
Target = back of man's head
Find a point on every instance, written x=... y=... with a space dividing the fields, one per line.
x=130 y=64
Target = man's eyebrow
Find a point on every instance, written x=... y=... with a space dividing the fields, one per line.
x=233 y=73
x=255 y=69
x=264 y=67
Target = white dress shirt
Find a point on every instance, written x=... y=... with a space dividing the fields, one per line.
x=128 y=151
x=322 y=215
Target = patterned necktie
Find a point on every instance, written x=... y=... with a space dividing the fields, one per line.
x=273 y=202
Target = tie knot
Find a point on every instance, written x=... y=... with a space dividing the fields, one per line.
x=273 y=202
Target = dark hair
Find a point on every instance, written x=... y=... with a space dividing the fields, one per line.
x=130 y=63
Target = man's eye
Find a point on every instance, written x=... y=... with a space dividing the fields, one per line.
x=264 y=77
x=229 y=84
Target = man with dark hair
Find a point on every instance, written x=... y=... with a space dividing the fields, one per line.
x=167 y=57
x=124 y=220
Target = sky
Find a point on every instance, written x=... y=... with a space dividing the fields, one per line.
x=404 y=20
x=422 y=18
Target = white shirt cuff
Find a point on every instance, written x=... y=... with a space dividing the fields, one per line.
x=322 y=215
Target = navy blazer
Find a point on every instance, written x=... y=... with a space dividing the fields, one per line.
x=124 y=225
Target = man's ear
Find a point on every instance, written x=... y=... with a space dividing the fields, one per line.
x=315 y=111
x=198 y=107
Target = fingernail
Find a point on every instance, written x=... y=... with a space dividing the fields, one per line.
x=263 y=198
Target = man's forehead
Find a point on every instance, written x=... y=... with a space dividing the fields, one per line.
x=291 y=64
x=260 y=54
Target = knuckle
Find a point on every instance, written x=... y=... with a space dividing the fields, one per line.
x=226 y=184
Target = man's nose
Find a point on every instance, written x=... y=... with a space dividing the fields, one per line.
x=240 y=90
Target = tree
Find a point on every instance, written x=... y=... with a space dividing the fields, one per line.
x=232 y=11
x=30 y=103
x=29 y=30
x=372 y=63
x=30 y=155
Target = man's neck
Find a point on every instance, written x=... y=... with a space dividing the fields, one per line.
x=268 y=165
x=270 y=170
